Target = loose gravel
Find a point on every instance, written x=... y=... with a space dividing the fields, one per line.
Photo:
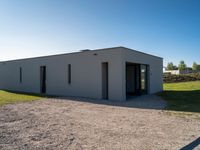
x=73 y=123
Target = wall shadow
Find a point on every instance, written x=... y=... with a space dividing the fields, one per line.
x=141 y=102
x=192 y=145
x=186 y=101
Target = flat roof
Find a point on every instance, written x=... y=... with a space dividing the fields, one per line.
x=82 y=51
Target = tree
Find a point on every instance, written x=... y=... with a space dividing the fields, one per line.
x=195 y=66
x=175 y=67
x=198 y=67
x=182 y=65
x=171 y=66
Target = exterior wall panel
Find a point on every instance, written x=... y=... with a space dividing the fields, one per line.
x=86 y=73
x=155 y=68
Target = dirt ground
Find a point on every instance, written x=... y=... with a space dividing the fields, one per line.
x=71 y=124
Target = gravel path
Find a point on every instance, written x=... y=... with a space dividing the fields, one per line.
x=72 y=124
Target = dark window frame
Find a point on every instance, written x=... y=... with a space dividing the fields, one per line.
x=69 y=74
x=105 y=80
x=43 y=77
x=20 y=75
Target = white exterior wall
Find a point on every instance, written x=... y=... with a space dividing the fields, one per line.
x=177 y=72
x=86 y=73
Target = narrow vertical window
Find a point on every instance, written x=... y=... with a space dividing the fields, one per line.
x=69 y=73
x=105 y=81
x=20 y=74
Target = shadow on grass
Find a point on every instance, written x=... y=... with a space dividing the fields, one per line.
x=186 y=101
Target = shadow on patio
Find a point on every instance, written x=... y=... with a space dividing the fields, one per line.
x=143 y=102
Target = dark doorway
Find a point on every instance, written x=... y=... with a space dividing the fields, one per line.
x=136 y=79
x=43 y=79
x=105 y=80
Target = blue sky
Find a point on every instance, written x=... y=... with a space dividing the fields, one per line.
x=167 y=28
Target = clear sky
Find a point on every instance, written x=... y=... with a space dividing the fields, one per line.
x=167 y=28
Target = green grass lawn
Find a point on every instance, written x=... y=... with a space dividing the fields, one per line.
x=183 y=96
x=10 y=97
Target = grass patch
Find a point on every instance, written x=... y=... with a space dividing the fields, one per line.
x=184 y=96
x=11 y=97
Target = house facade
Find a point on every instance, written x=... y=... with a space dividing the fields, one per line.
x=111 y=73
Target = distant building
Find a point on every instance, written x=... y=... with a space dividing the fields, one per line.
x=177 y=72
x=171 y=72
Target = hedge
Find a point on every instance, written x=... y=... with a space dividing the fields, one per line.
x=169 y=78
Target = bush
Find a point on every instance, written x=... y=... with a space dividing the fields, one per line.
x=169 y=78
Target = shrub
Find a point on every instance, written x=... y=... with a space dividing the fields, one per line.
x=169 y=78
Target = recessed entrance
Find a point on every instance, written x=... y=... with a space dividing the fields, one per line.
x=43 y=79
x=136 y=79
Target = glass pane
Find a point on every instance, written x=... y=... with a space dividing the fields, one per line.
x=143 y=78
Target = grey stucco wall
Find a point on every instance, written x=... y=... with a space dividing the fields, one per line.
x=155 y=68
x=86 y=77
x=85 y=68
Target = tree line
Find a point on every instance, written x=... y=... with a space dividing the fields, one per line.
x=182 y=66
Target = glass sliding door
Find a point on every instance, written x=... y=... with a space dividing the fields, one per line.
x=137 y=79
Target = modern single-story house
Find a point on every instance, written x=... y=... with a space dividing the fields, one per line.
x=112 y=73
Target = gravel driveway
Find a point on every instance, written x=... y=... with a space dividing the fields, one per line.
x=82 y=124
